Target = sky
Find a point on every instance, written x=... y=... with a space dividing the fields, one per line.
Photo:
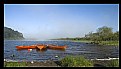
x=50 y=21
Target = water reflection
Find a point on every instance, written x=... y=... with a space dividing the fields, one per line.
x=58 y=49
x=42 y=50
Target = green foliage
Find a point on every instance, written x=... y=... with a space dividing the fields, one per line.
x=78 y=61
x=11 y=34
x=103 y=34
x=113 y=63
x=15 y=64
x=116 y=36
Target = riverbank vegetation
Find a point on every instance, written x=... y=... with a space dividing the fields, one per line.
x=68 y=61
x=15 y=64
x=110 y=43
x=103 y=36
x=78 y=61
x=113 y=63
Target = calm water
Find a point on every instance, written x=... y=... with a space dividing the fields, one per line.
x=74 y=48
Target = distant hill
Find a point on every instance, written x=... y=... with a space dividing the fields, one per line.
x=10 y=34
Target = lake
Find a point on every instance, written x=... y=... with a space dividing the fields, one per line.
x=89 y=51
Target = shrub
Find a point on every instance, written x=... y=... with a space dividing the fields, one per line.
x=75 y=61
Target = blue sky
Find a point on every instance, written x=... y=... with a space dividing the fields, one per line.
x=47 y=21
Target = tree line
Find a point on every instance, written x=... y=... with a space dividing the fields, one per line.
x=102 y=34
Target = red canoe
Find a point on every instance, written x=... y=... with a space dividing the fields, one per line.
x=26 y=47
x=41 y=47
x=56 y=47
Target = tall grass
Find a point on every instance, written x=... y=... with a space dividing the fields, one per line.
x=14 y=64
x=113 y=63
x=75 y=61
x=116 y=43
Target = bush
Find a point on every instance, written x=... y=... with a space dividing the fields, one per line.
x=78 y=61
x=113 y=63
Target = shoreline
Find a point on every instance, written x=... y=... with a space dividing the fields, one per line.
x=51 y=63
x=96 y=63
x=9 y=60
x=108 y=43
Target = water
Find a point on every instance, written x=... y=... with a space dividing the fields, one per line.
x=89 y=51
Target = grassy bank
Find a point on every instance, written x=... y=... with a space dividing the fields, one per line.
x=111 y=43
x=80 y=61
x=85 y=41
x=29 y=64
x=15 y=64
x=68 y=61
x=106 y=63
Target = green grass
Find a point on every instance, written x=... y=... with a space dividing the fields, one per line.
x=111 y=43
x=69 y=61
x=113 y=63
x=15 y=64
x=75 y=61
x=85 y=41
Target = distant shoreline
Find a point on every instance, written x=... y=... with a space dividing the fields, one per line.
x=108 y=43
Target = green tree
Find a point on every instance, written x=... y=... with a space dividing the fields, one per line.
x=102 y=34
x=116 y=36
x=105 y=33
x=11 y=34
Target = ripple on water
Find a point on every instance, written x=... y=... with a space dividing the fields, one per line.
x=74 y=48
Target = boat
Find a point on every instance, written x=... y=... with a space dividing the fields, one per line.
x=41 y=47
x=56 y=47
x=26 y=47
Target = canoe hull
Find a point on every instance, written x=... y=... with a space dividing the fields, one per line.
x=26 y=47
x=57 y=47
x=41 y=47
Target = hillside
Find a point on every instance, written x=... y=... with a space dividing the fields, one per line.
x=10 y=34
